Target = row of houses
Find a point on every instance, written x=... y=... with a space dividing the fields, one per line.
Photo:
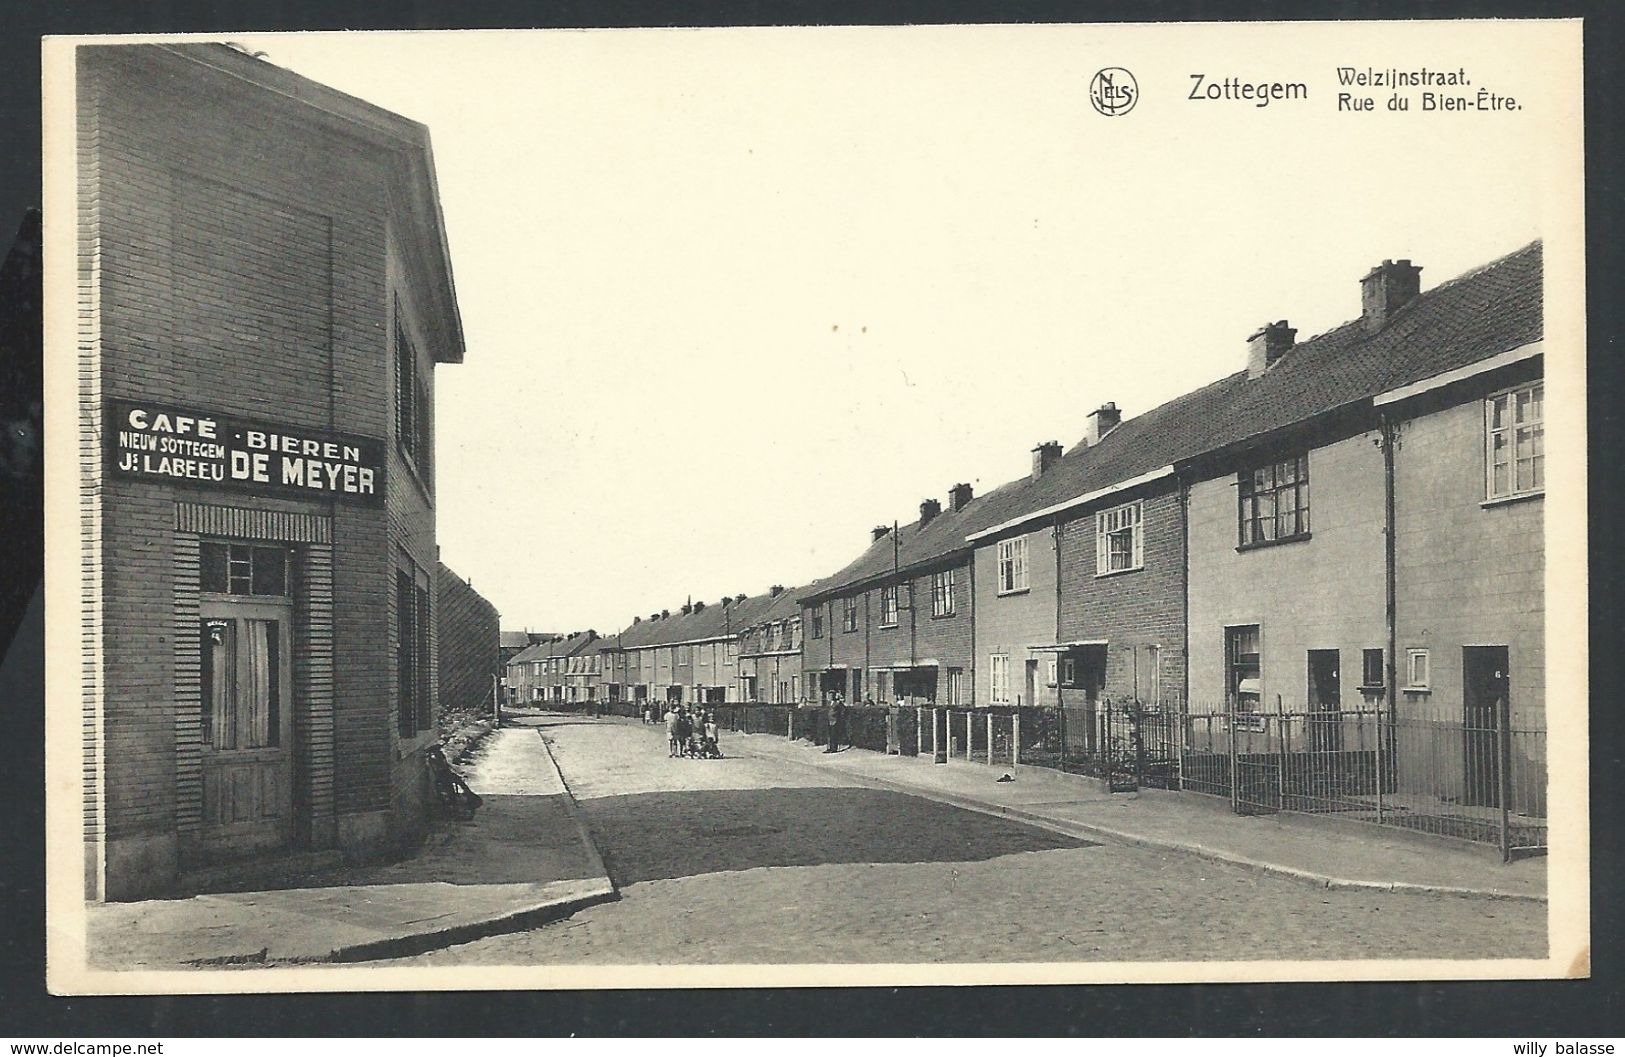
x=1344 y=522
x=1348 y=521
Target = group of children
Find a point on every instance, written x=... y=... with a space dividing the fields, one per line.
x=689 y=732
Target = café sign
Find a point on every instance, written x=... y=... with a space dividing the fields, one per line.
x=173 y=445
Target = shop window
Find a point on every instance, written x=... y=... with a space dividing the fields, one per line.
x=942 y=594
x=1245 y=676
x=1119 y=539
x=1515 y=442
x=1274 y=502
x=241 y=569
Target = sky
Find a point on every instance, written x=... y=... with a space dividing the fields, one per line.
x=732 y=297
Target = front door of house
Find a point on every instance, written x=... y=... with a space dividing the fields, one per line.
x=1325 y=702
x=1484 y=686
x=247 y=727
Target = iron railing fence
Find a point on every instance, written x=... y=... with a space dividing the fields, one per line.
x=1480 y=780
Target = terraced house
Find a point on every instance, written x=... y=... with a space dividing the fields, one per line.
x=896 y=624
x=770 y=652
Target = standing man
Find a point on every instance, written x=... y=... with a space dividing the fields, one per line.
x=837 y=713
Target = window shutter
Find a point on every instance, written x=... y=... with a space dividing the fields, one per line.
x=1102 y=527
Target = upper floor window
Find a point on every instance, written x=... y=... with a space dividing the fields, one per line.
x=413 y=409
x=239 y=569
x=849 y=614
x=942 y=594
x=888 y=606
x=1013 y=565
x=1274 y=501
x=1120 y=539
x=413 y=694
x=818 y=622
x=1515 y=442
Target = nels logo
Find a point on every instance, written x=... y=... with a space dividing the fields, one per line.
x=1114 y=91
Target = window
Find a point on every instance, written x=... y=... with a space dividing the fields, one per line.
x=239 y=569
x=1274 y=502
x=849 y=614
x=956 y=686
x=414 y=704
x=1153 y=683
x=818 y=622
x=1013 y=565
x=412 y=405
x=1416 y=669
x=685 y=655
x=1372 y=675
x=1515 y=442
x=1245 y=676
x=942 y=594
x=999 y=672
x=730 y=653
x=1050 y=671
x=888 y=606
x=242 y=683
x=1119 y=539
x=1069 y=672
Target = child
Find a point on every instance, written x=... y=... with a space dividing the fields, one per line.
x=671 y=730
x=713 y=751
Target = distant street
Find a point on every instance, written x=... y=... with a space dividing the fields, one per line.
x=750 y=859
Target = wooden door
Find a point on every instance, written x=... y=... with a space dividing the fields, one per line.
x=1485 y=686
x=247 y=727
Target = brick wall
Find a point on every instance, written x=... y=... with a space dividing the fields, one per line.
x=1133 y=611
x=469 y=637
x=237 y=264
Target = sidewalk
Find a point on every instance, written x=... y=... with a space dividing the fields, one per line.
x=525 y=859
x=1329 y=853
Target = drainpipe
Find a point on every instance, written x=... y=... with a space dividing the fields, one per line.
x=1185 y=617
x=1390 y=600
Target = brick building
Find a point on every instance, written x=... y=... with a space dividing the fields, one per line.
x=264 y=294
x=770 y=651
x=896 y=624
x=469 y=635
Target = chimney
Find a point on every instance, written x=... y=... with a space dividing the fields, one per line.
x=1386 y=289
x=637 y=620
x=698 y=606
x=1266 y=345
x=1102 y=420
x=1045 y=456
x=688 y=607
x=928 y=510
x=665 y=614
x=775 y=591
x=878 y=533
x=959 y=497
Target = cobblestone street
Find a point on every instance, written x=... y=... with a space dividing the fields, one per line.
x=755 y=860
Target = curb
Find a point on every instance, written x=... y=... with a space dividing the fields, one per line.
x=576 y=815
x=1071 y=828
